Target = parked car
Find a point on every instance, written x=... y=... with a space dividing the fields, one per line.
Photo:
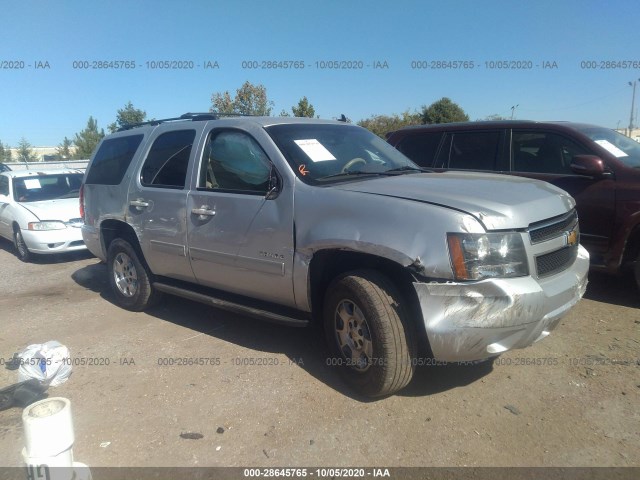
x=4 y=168
x=303 y=220
x=39 y=211
x=599 y=167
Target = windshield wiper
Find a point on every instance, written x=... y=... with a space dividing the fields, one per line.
x=385 y=173
x=350 y=172
x=409 y=168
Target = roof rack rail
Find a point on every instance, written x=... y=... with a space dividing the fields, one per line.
x=185 y=116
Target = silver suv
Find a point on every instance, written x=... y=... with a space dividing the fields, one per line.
x=300 y=220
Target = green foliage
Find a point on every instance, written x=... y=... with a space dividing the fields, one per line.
x=25 y=152
x=249 y=100
x=443 y=111
x=87 y=140
x=5 y=153
x=495 y=117
x=382 y=124
x=304 y=109
x=64 y=149
x=127 y=116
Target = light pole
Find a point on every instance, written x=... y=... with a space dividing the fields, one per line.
x=633 y=101
x=513 y=109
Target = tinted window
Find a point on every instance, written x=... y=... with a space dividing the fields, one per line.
x=46 y=187
x=234 y=161
x=543 y=152
x=167 y=162
x=112 y=160
x=421 y=148
x=474 y=150
x=4 y=185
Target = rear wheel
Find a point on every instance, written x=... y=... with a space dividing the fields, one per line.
x=131 y=280
x=22 y=251
x=369 y=335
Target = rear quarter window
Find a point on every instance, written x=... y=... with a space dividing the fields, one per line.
x=112 y=160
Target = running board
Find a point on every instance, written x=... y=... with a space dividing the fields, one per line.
x=235 y=307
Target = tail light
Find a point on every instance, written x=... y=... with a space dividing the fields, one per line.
x=81 y=200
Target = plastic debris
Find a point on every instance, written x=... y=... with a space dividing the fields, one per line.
x=47 y=362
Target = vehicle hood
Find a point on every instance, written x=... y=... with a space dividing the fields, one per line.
x=63 y=209
x=497 y=201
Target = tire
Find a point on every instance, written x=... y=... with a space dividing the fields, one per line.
x=22 y=251
x=369 y=334
x=130 y=279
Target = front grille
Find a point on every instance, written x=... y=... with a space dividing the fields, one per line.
x=552 y=228
x=76 y=243
x=554 y=262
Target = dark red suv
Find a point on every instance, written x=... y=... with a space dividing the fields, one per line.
x=599 y=167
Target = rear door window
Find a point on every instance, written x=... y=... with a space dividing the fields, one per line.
x=168 y=160
x=474 y=150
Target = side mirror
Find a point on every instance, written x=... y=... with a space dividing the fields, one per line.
x=274 y=185
x=589 y=165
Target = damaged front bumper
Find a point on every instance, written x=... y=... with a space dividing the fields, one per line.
x=478 y=320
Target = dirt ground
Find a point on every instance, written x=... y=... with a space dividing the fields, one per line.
x=262 y=395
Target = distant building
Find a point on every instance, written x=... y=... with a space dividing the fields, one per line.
x=635 y=133
x=43 y=154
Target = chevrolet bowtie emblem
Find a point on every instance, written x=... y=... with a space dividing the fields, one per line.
x=572 y=237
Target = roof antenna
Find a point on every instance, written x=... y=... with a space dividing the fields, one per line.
x=342 y=118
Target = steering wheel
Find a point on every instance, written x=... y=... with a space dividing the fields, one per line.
x=351 y=163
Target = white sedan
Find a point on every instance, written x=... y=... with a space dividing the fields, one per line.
x=40 y=212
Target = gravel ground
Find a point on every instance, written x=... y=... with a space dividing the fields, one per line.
x=262 y=395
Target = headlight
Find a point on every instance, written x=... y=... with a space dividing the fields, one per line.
x=477 y=256
x=47 y=225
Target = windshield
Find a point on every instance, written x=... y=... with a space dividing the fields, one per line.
x=46 y=187
x=321 y=153
x=621 y=147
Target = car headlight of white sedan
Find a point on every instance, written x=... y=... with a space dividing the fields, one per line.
x=46 y=225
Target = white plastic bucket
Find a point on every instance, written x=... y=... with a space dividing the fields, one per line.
x=48 y=428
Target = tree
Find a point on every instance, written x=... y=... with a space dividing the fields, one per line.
x=127 y=116
x=284 y=113
x=494 y=117
x=25 y=152
x=5 y=153
x=249 y=100
x=87 y=140
x=443 y=111
x=304 y=109
x=63 y=150
x=382 y=124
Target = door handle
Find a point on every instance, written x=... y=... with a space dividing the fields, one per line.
x=139 y=203
x=203 y=211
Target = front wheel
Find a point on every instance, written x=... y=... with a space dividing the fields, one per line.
x=22 y=251
x=369 y=335
x=131 y=280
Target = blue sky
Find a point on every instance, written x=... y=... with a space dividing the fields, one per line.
x=45 y=105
